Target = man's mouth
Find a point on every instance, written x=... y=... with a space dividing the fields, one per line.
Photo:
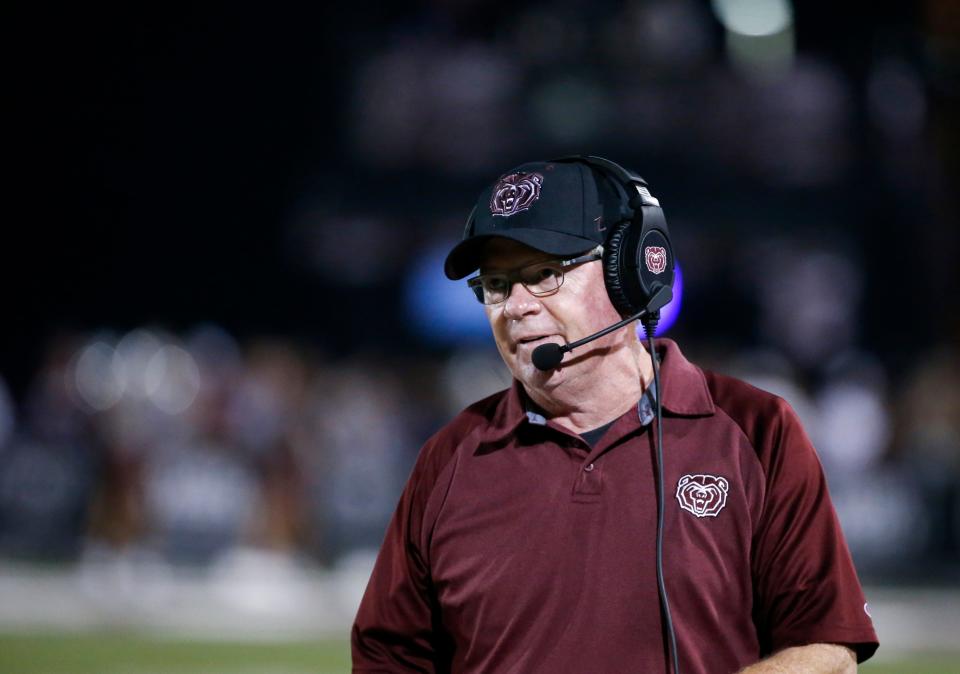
x=534 y=340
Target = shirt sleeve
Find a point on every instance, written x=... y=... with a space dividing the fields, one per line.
x=806 y=586
x=397 y=627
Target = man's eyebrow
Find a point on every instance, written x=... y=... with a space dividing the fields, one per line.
x=500 y=270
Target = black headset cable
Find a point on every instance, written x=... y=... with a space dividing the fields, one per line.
x=650 y=325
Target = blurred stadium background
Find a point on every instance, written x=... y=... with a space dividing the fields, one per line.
x=228 y=332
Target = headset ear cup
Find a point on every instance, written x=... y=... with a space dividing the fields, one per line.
x=613 y=269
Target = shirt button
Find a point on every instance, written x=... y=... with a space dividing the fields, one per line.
x=588 y=468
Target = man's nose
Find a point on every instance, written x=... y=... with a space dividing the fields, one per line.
x=520 y=302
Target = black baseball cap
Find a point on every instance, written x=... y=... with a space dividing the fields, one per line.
x=562 y=208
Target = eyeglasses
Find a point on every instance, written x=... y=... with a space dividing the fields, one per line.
x=540 y=278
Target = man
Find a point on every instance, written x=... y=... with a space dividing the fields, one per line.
x=525 y=539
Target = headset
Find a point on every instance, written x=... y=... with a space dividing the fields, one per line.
x=637 y=255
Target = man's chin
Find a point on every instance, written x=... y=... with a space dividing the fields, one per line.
x=531 y=374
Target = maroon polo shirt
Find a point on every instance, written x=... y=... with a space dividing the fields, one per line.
x=516 y=547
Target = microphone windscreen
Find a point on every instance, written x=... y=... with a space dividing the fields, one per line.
x=547 y=356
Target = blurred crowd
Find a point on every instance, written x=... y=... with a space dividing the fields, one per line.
x=187 y=446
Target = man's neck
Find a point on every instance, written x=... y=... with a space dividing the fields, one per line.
x=601 y=393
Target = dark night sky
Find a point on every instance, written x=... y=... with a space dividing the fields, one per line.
x=156 y=156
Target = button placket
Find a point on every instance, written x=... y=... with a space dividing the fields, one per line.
x=589 y=483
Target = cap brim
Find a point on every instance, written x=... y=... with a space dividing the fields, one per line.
x=466 y=255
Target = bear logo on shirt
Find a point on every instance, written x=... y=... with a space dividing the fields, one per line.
x=702 y=495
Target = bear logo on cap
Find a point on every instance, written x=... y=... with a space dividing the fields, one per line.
x=514 y=193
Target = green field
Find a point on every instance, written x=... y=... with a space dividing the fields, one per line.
x=117 y=653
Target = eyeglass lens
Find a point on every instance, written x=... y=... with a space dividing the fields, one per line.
x=540 y=279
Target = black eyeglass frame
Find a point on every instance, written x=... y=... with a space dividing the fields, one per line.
x=475 y=283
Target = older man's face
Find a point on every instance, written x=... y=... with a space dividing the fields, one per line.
x=523 y=322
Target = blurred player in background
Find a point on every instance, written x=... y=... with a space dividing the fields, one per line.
x=607 y=513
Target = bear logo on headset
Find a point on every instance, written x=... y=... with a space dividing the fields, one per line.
x=656 y=259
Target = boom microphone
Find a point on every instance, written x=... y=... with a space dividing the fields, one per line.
x=548 y=356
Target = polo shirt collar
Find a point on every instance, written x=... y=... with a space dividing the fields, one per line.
x=684 y=385
x=685 y=391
